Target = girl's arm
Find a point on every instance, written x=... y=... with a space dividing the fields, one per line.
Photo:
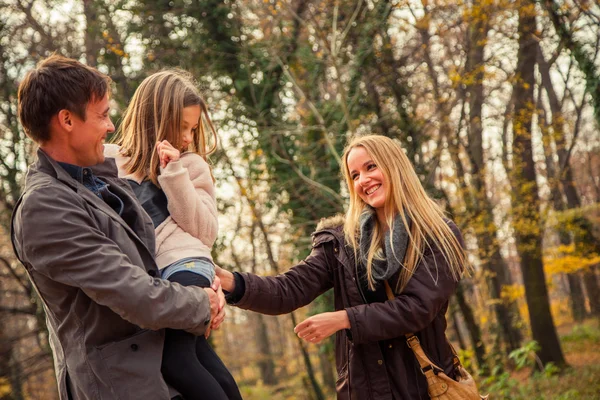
x=189 y=188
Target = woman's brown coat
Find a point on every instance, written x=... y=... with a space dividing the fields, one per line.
x=373 y=359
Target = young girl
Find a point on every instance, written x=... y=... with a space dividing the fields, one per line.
x=161 y=149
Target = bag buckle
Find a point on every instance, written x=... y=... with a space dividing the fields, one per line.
x=430 y=367
x=412 y=341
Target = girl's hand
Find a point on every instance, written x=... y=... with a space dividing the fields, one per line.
x=319 y=327
x=166 y=153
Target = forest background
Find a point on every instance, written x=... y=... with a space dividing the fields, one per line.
x=496 y=102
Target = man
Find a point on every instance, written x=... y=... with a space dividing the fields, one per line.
x=88 y=246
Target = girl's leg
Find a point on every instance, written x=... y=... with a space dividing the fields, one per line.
x=180 y=366
x=211 y=361
x=182 y=370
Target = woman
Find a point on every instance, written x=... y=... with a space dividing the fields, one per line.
x=393 y=232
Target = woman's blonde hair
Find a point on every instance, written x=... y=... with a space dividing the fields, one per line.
x=406 y=197
x=155 y=114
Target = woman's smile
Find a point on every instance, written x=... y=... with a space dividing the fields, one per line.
x=372 y=189
x=369 y=182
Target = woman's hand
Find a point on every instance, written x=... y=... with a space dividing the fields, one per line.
x=319 y=327
x=227 y=279
x=166 y=153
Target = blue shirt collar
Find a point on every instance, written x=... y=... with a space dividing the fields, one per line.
x=76 y=171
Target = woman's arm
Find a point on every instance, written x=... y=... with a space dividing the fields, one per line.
x=285 y=292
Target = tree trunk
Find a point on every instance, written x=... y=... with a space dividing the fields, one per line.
x=586 y=245
x=265 y=357
x=586 y=64
x=473 y=328
x=327 y=363
x=92 y=32
x=456 y=325
x=576 y=298
x=507 y=313
x=15 y=377
x=525 y=199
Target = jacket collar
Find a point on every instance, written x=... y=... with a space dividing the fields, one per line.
x=48 y=165
x=108 y=169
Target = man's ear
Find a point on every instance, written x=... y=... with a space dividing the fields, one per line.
x=65 y=119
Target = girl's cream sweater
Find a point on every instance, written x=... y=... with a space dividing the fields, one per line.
x=191 y=229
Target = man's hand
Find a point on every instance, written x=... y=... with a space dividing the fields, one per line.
x=214 y=307
x=318 y=327
x=218 y=320
x=166 y=153
x=216 y=323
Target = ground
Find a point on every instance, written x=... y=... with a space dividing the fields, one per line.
x=581 y=380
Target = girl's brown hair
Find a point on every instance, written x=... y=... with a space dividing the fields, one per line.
x=155 y=114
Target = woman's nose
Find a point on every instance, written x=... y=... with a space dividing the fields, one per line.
x=363 y=180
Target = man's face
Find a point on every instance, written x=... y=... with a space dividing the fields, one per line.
x=87 y=137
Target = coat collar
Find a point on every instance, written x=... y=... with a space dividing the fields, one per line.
x=106 y=170
x=48 y=165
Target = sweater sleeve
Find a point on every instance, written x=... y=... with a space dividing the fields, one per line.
x=424 y=296
x=189 y=188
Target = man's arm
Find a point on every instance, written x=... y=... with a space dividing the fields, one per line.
x=57 y=238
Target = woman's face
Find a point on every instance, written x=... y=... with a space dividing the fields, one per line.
x=369 y=182
x=189 y=123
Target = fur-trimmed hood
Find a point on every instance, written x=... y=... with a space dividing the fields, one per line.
x=333 y=222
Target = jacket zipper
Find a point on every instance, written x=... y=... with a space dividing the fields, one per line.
x=364 y=299
x=356 y=277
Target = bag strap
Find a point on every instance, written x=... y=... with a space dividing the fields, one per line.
x=415 y=345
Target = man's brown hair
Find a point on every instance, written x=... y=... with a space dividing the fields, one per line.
x=57 y=83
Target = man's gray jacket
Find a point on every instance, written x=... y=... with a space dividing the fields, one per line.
x=96 y=275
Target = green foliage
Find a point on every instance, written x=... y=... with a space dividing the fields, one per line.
x=500 y=384
x=550 y=370
x=525 y=356
x=583 y=333
x=467 y=358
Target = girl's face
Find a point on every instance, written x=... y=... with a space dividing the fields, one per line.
x=189 y=124
x=369 y=182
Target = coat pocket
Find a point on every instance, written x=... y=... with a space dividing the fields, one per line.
x=133 y=366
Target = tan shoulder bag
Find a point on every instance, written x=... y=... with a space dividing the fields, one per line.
x=439 y=385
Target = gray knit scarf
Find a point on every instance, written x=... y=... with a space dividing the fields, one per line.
x=383 y=269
